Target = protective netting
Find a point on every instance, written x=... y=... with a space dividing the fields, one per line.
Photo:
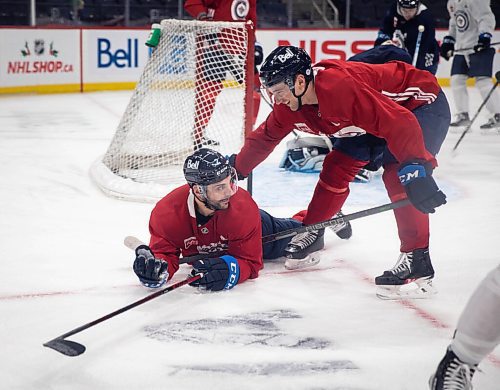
x=191 y=94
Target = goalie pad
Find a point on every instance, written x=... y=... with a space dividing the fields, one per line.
x=306 y=155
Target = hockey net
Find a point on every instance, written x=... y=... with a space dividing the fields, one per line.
x=196 y=86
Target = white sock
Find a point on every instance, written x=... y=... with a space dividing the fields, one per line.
x=478 y=329
x=460 y=94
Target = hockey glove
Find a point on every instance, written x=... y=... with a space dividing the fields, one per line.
x=221 y=273
x=483 y=42
x=151 y=272
x=420 y=187
x=232 y=162
x=381 y=38
x=447 y=47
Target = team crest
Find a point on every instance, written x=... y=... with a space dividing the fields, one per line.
x=190 y=241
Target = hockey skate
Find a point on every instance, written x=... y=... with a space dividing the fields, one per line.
x=300 y=251
x=343 y=228
x=461 y=119
x=411 y=277
x=492 y=124
x=452 y=374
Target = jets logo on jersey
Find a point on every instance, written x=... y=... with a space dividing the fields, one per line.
x=462 y=21
x=240 y=9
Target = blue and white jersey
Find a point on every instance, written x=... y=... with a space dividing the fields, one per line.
x=468 y=19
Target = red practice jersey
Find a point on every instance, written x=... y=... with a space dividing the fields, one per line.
x=353 y=98
x=235 y=231
x=223 y=10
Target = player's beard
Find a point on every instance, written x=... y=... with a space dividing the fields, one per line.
x=222 y=204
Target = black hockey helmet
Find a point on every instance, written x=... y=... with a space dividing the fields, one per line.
x=283 y=64
x=206 y=166
x=409 y=3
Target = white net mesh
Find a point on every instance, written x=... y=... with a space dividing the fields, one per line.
x=191 y=94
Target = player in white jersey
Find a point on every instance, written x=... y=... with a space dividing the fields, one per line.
x=471 y=26
x=477 y=334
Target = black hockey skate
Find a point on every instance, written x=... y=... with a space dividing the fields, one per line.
x=452 y=374
x=411 y=277
x=461 y=119
x=492 y=124
x=300 y=251
x=342 y=229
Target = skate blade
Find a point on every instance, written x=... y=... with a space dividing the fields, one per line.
x=419 y=289
x=309 y=261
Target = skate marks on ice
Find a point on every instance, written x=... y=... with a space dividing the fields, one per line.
x=267 y=369
x=258 y=328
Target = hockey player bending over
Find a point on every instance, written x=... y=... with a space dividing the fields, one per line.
x=395 y=101
x=208 y=215
x=306 y=154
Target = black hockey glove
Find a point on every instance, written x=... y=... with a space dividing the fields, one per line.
x=420 y=187
x=483 y=42
x=151 y=272
x=381 y=38
x=232 y=162
x=221 y=273
x=447 y=47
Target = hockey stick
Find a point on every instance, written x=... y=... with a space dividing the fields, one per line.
x=421 y=29
x=471 y=48
x=72 y=348
x=335 y=221
x=132 y=242
x=497 y=76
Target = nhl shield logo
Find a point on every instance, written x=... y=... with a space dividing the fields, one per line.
x=39 y=47
x=204 y=230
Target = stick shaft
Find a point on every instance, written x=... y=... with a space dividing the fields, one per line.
x=334 y=221
x=472 y=48
x=417 y=48
x=475 y=116
x=128 y=307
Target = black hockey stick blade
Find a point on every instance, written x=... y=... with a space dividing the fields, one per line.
x=66 y=347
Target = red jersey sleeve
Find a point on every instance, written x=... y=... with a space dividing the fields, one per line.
x=261 y=142
x=370 y=110
x=195 y=8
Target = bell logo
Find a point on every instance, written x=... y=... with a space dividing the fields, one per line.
x=285 y=57
x=192 y=164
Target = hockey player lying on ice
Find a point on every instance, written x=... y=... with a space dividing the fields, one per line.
x=394 y=101
x=209 y=214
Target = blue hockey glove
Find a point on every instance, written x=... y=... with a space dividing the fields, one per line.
x=381 y=38
x=151 y=272
x=420 y=187
x=221 y=273
x=447 y=47
x=483 y=42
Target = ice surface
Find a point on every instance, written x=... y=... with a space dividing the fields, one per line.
x=63 y=264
